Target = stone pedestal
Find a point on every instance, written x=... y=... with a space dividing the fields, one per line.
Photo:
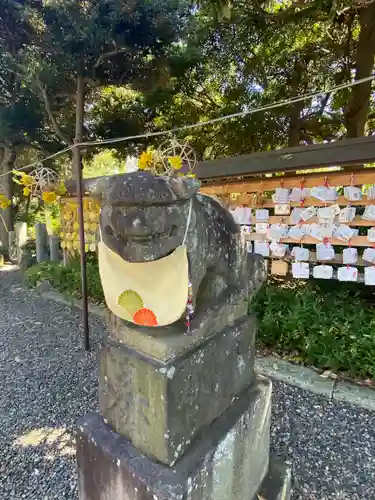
x=161 y=406
x=228 y=460
x=181 y=418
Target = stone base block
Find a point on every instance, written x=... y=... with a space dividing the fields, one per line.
x=161 y=407
x=171 y=342
x=228 y=461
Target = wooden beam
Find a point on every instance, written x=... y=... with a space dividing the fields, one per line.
x=356 y=241
x=253 y=202
x=341 y=152
x=337 y=260
x=285 y=219
x=256 y=185
x=313 y=202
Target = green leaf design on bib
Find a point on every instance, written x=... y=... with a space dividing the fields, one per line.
x=131 y=301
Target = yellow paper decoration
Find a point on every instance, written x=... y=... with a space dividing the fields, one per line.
x=70 y=224
x=49 y=197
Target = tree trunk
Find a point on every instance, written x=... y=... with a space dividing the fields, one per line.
x=6 y=188
x=359 y=102
x=294 y=136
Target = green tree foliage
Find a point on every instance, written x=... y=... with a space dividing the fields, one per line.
x=106 y=162
x=56 y=54
x=22 y=123
x=263 y=52
x=107 y=68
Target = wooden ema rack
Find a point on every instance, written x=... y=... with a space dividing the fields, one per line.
x=356 y=241
x=250 y=193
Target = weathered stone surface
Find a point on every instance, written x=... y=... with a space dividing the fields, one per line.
x=277 y=485
x=300 y=376
x=161 y=407
x=172 y=342
x=227 y=461
x=12 y=246
x=144 y=218
x=54 y=248
x=41 y=238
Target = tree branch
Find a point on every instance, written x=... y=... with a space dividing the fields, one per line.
x=60 y=134
x=108 y=55
x=359 y=4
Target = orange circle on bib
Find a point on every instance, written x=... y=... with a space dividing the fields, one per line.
x=145 y=317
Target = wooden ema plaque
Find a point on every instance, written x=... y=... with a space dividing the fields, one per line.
x=279 y=267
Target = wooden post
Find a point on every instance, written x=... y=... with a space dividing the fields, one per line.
x=77 y=169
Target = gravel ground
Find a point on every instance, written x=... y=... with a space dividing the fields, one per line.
x=329 y=445
x=48 y=381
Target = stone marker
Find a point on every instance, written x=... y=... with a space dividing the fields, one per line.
x=41 y=242
x=12 y=246
x=182 y=413
x=54 y=248
x=21 y=238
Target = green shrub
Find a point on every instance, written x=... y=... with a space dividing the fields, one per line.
x=67 y=279
x=325 y=324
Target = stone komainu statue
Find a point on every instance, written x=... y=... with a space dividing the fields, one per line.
x=145 y=218
x=181 y=416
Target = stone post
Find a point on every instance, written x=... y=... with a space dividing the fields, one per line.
x=41 y=242
x=54 y=248
x=12 y=245
x=21 y=239
x=182 y=416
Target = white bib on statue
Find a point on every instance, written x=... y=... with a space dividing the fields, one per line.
x=151 y=293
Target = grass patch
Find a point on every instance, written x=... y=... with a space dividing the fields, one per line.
x=67 y=279
x=328 y=325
